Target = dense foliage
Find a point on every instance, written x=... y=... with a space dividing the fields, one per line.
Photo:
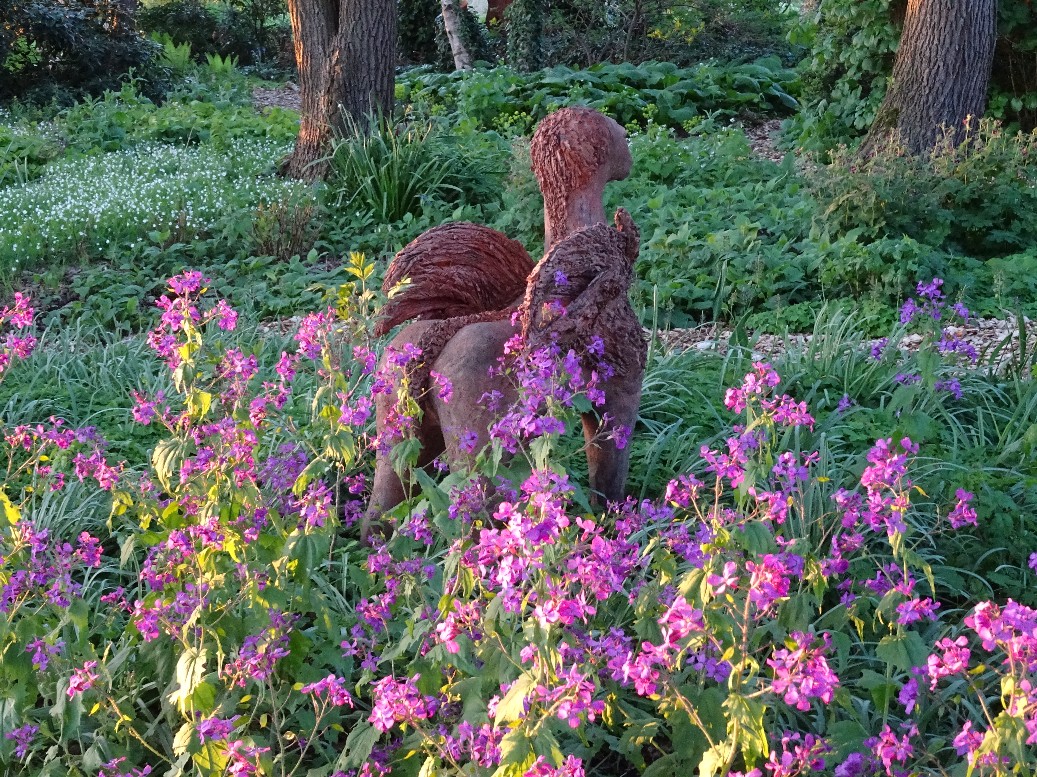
x=852 y=43
x=251 y=31
x=224 y=620
x=827 y=564
x=581 y=33
x=51 y=49
x=632 y=94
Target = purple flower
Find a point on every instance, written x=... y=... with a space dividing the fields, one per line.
x=950 y=385
x=315 y=504
x=855 y=765
x=444 y=388
x=797 y=755
x=226 y=316
x=313 y=333
x=968 y=742
x=398 y=701
x=892 y=749
x=216 y=729
x=909 y=311
x=952 y=660
x=878 y=348
x=801 y=671
x=188 y=282
x=963 y=513
x=42 y=652
x=915 y=610
x=726 y=581
x=21 y=314
x=908 y=695
x=571 y=767
x=23 y=738
x=331 y=688
x=931 y=291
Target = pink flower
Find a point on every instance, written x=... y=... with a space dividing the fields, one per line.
x=962 y=513
x=82 y=679
x=801 y=672
x=726 y=581
x=333 y=689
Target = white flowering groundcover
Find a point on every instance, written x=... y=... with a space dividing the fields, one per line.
x=127 y=199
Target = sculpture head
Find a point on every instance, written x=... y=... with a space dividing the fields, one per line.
x=575 y=147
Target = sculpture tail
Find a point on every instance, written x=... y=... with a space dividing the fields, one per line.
x=458 y=269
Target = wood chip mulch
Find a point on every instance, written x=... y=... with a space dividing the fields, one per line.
x=997 y=341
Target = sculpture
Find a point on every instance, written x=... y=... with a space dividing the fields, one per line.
x=457 y=292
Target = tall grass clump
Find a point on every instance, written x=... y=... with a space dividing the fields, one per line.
x=392 y=172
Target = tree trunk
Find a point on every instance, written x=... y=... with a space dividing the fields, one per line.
x=345 y=51
x=452 y=25
x=940 y=75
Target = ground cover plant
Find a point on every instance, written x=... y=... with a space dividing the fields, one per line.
x=222 y=618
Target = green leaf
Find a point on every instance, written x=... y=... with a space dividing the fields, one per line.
x=437 y=498
x=166 y=460
x=715 y=759
x=516 y=750
x=182 y=740
x=667 y=766
x=359 y=744
x=745 y=720
x=204 y=698
x=11 y=513
x=190 y=669
x=512 y=706
x=903 y=651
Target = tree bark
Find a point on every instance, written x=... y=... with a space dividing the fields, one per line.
x=452 y=25
x=940 y=75
x=345 y=51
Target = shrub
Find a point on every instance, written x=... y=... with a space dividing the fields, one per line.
x=197 y=112
x=82 y=46
x=977 y=198
x=654 y=91
x=24 y=152
x=247 y=30
x=581 y=33
x=416 y=30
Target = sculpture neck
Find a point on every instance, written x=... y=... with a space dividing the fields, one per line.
x=578 y=210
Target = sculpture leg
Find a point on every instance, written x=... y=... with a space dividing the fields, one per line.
x=607 y=463
x=466 y=361
x=388 y=489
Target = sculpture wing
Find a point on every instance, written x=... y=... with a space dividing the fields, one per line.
x=457 y=269
x=579 y=291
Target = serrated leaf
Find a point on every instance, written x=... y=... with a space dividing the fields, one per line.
x=512 y=706
x=359 y=744
x=190 y=669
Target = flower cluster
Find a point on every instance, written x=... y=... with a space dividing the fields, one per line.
x=801 y=672
x=17 y=346
x=399 y=701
